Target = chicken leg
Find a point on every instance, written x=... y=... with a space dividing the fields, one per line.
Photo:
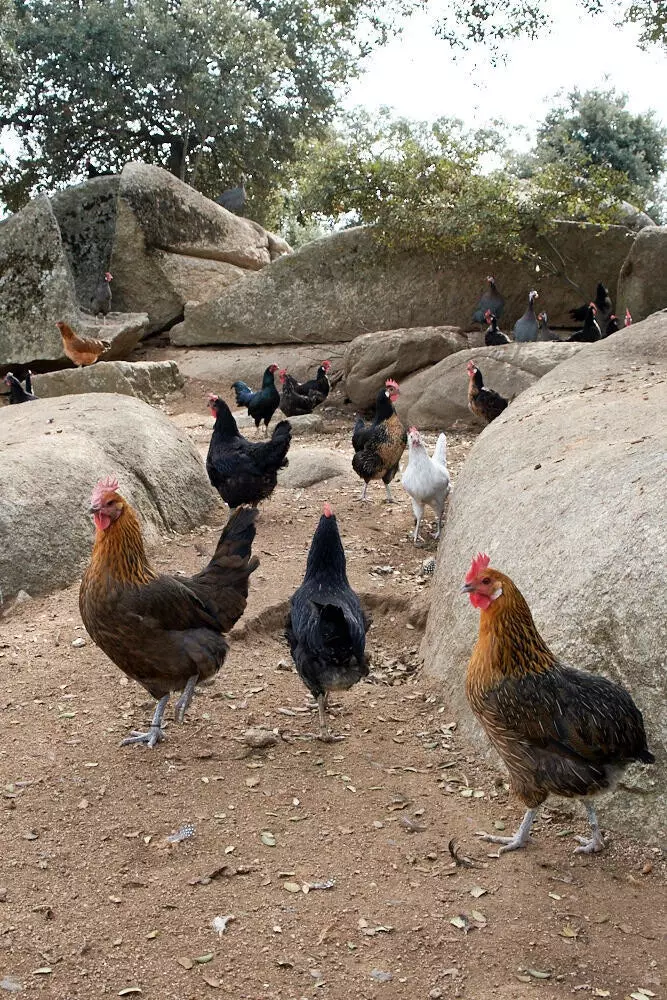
x=418 y=511
x=596 y=843
x=325 y=735
x=183 y=703
x=520 y=839
x=390 y=498
x=155 y=734
x=363 y=498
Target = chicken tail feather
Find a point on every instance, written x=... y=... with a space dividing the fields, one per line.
x=223 y=584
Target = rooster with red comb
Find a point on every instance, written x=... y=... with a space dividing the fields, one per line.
x=379 y=445
x=560 y=731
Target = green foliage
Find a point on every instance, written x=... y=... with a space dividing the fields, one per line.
x=208 y=88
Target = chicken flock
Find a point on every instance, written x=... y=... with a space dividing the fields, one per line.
x=559 y=730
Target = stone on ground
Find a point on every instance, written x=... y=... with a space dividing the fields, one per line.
x=308 y=466
x=148 y=380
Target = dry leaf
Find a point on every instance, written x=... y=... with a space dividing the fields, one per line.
x=44 y=970
x=292 y=887
x=476 y=892
x=268 y=839
x=569 y=932
x=203 y=959
x=538 y=974
x=210 y=980
x=187 y=963
x=152 y=935
x=129 y=989
x=461 y=922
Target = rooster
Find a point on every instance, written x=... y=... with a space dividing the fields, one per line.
x=426 y=480
x=602 y=303
x=491 y=300
x=487 y=404
x=612 y=326
x=81 y=350
x=326 y=626
x=317 y=387
x=590 y=332
x=242 y=471
x=100 y=304
x=494 y=337
x=263 y=403
x=164 y=632
x=17 y=394
x=292 y=402
x=525 y=328
x=559 y=731
x=378 y=447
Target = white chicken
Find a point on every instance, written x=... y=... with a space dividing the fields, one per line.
x=426 y=480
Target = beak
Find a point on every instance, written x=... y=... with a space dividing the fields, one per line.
x=93 y=510
x=467 y=588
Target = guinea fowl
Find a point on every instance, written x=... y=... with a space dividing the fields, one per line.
x=525 y=328
x=560 y=731
x=101 y=301
x=379 y=445
x=263 y=403
x=292 y=402
x=590 y=332
x=544 y=333
x=234 y=199
x=326 y=626
x=491 y=301
x=242 y=471
x=17 y=394
x=482 y=402
x=602 y=303
x=494 y=337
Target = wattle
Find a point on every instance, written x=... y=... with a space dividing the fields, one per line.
x=480 y=601
x=102 y=521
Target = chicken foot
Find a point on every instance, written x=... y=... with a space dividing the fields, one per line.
x=520 y=839
x=325 y=734
x=363 y=498
x=594 y=844
x=183 y=703
x=155 y=734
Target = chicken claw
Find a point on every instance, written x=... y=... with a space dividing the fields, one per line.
x=154 y=736
x=183 y=703
x=514 y=843
x=594 y=844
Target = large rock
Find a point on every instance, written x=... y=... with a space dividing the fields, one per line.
x=36 y=286
x=346 y=284
x=374 y=357
x=151 y=381
x=438 y=396
x=566 y=494
x=86 y=216
x=642 y=285
x=308 y=466
x=50 y=468
x=160 y=218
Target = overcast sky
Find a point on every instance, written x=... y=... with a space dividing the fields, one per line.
x=417 y=76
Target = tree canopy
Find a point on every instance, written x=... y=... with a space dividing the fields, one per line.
x=208 y=88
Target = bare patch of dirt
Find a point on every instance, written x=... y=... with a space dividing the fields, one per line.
x=333 y=860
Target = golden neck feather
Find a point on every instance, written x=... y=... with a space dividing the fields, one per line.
x=119 y=550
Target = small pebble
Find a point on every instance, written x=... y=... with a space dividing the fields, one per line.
x=78 y=643
x=380 y=976
x=434 y=994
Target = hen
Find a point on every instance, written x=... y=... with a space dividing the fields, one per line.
x=81 y=350
x=319 y=386
x=525 y=328
x=263 y=403
x=100 y=303
x=494 y=336
x=17 y=394
x=487 y=404
x=491 y=300
x=602 y=303
x=379 y=445
x=612 y=327
x=426 y=480
x=326 y=626
x=559 y=731
x=164 y=632
x=590 y=332
x=242 y=471
x=292 y=402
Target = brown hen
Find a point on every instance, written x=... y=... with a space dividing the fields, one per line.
x=379 y=445
x=81 y=350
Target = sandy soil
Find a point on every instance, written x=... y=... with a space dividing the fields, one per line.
x=332 y=862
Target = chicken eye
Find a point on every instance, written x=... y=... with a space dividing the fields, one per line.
x=487 y=579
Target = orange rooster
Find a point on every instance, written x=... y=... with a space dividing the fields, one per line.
x=165 y=632
x=559 y=731
x=81 y=350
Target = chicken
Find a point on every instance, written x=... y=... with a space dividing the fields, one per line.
x=379 y=445
x=164 y=632
x=100 y=304
x=426 y=480
x=319 y=386
x=544 y=333
x=602 y=303
x=482 y=402
x=494 y=336
x=525 y=328
x=242 y=471
x=590 y=332
x=81 y=350
x=326 y=626
x=612 y=327
x=263 y=403
x=490 y=300
x=292 y=402
x=17 y=394
x=559 y=730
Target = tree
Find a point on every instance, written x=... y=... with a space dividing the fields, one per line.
x=208 y=88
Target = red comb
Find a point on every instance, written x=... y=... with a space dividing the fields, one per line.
x=390 y=384
x=212 y=397
x=326 y=364
x=326 y=510
x=479 y=563
x=104 y=486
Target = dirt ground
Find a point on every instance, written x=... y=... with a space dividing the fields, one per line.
x=331 y=862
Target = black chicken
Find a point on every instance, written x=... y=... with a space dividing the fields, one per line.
x=494 y=337
x=100 y=304
x=612 y=326
x=292 y=402
x=263 y=403
x=317 y=388
x=242 y=471
x=487 y=404
x=17 y=394
x=590 y=332
x=326 y=626
x=602 y=303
